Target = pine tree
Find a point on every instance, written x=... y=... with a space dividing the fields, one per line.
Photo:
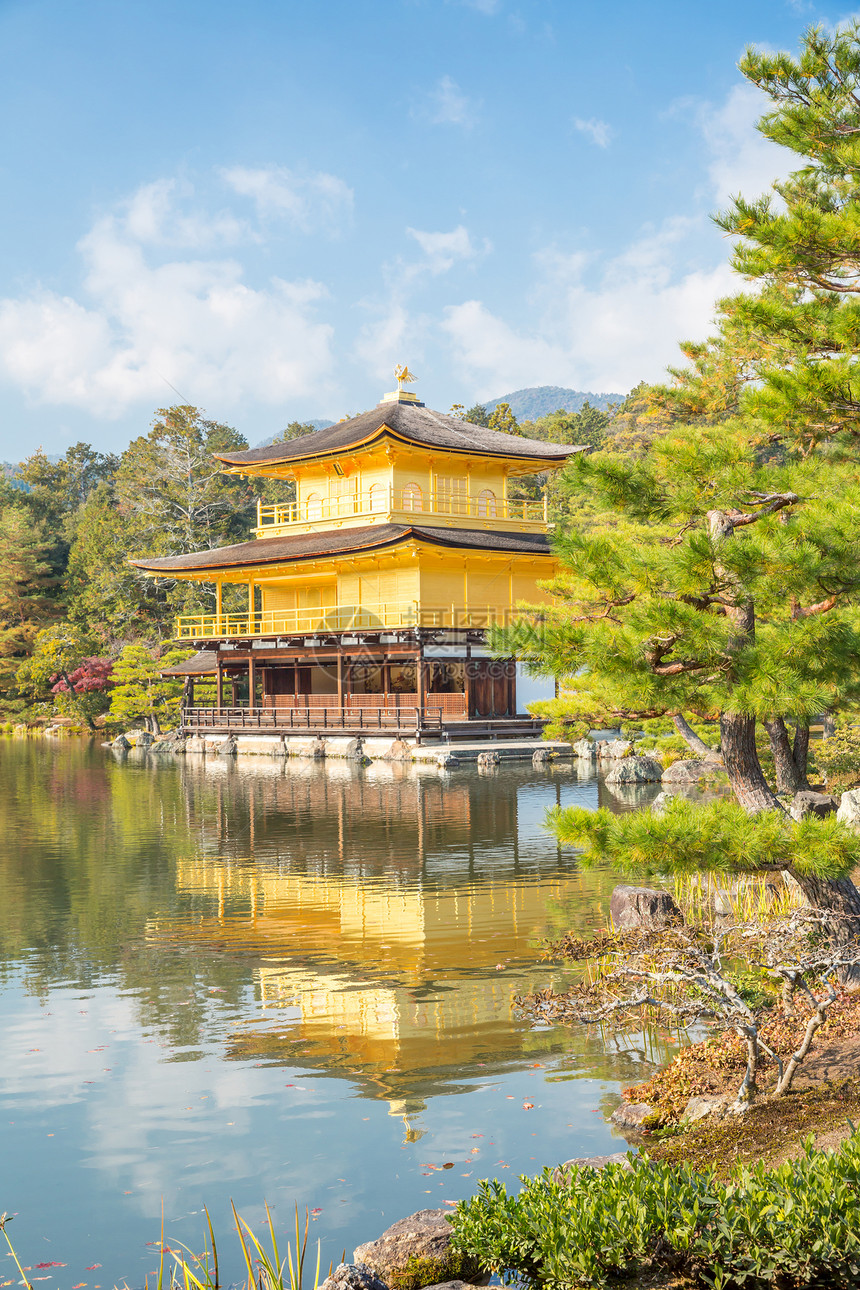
x=140 y=692
x=727 y=587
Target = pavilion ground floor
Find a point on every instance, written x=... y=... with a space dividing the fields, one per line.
x=415 y=682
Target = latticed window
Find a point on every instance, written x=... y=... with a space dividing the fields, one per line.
x=451 y=494
x=412 y=498
x=378 y=497
x=486 y=503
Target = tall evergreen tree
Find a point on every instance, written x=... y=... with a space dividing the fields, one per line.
x=728 y=586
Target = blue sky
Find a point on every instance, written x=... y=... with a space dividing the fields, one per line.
x=265 y=206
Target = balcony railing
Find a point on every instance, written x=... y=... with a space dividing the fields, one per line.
x=384 y=500
x=313 y=719
x=334 y=618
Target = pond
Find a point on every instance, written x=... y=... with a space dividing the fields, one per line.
x=285 y=982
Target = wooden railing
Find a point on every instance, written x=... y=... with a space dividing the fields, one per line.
x=385 y=500
x=335 y=618
x=312 y=718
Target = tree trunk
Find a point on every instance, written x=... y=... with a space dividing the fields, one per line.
x=737 y=736
x=800 y=750
x=698 y=746
x=839 y=900
x=790 y=778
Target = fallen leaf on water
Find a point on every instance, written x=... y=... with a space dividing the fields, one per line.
x=51 y=1265
x=79 y=1286
x=528 y=1106
x=476 y=1151
x=449 y=1202
x=477 y=1135
x=449 y=1164
x=93 y=1267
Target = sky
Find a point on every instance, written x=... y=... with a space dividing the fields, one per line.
x=261 y=208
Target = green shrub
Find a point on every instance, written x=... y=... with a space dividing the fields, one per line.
x=796 y=1225
x=839 y=757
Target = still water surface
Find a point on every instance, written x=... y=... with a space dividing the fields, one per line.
x=291 y=983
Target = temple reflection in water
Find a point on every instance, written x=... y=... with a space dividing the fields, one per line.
x=390 y=916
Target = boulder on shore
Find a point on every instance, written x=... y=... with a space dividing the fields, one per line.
x=849 y=808
x=353 y=1276
x=584 y=749
x=418 y=1250
x=563 y=1172
x=642 y=907
x=617 y=749
x=809 y=803
x=632 y=1115
x=635 y=770
x=120 y=744
x=687 y=772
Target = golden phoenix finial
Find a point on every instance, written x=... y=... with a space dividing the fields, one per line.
x=404 y=377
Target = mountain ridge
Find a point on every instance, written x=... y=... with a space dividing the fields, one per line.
x=540 y=400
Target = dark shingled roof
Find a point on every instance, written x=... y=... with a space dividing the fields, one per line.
x=203 y=663
x=304 y=546
x=410 y=421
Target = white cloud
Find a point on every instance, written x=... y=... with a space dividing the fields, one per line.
x=446 y=104
x=145 y=320
x=600 y=132
x=740 y=159
x=607 y=332
x=443 y=250
x=392 y=328
x=307 y=202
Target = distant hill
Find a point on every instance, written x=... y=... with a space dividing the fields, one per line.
x=540 y=400
x=319 y=424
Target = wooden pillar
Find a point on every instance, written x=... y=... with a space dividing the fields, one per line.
x=219 y=682
x=469 y=682
x=251 y=608
x=421 y=668
x=252 y=681
x=340 y=680
x=219 y=605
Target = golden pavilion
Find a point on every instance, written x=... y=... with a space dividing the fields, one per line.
x=369 y=595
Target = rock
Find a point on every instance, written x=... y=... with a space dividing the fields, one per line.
x=617 y=749
x=661 y=801
x=400 y=750
x=642 y=907
x=635 y=770
x=418 y=1246
x=457 y=1285
x=541 y=756
x=143 y=739
x=849 y=808
x=120 y=744
x=585 y=749
x=686 y=772
x=809 y=803
x=353 y=1276
x=632 y=1115
x=699 y=1107
x=447 y=761
x=562 y=1173
x=229 y=747
x=319 y=748
x=354 y=751
x=488 y=760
